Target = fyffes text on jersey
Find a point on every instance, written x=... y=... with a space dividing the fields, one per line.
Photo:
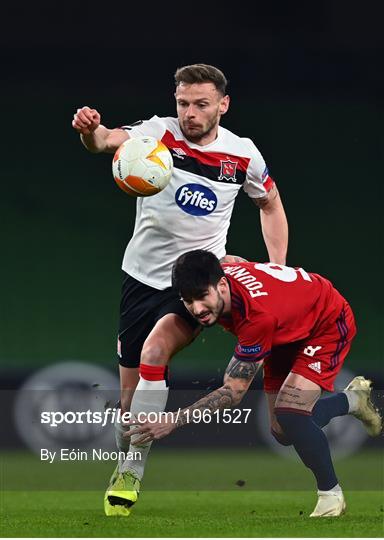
x=196 y=200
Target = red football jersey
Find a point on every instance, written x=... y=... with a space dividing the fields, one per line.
x=274 y=305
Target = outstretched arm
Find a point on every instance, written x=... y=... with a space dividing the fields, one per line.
x=274 y=226
x=237 y=379
x=95 y=137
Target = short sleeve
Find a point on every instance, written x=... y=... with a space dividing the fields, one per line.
x=255 y=338
x=154 y=127
x=258 y=183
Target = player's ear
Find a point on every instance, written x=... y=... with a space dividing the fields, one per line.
x=224 y=104
x=222 y=284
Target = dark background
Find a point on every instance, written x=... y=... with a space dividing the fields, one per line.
x=305 y=84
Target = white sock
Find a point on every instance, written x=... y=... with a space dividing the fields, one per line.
x=122 y=442
x=149 y=396
x=335 y=489
x=353 y=400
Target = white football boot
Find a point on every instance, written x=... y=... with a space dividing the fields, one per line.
x=329 y=504
x=363 y=408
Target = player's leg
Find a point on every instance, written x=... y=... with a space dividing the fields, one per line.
x=139 y=309
x=129 y=348
x=293 y=409
x=361 y=407
x=337 y=340
x=317 y=363
x=138 y=302
x=275 y=370
x=170 y=334
x=129 y=377
x=354 y=400
x=276 y=429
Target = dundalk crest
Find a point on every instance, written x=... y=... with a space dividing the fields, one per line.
x=228 y=170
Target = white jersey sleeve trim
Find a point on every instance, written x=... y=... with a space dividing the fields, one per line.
x=154 y=127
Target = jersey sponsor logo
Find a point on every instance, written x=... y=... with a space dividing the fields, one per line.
x=253 y=349
x=316 y=366
x=179 y=153
x=310 y=351
x=196 y=200
x=228 y=170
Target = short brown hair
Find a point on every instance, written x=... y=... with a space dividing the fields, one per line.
x=201 y=73
x=194 y=272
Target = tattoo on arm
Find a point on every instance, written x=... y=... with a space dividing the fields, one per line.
x=242 y=370
x=222 y=398
x=226 y=396
x=263 y=201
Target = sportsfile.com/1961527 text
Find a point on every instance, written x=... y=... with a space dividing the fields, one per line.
x=113 y=415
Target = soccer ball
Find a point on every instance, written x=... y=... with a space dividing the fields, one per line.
x=142 y=166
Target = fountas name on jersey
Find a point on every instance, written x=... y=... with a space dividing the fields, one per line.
x=194 y=210
x=274 y=305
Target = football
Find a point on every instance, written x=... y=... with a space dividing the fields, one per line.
x=142 y=166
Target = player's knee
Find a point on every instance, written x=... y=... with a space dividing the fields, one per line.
x=155 y=353
x=282 y=417
x=289 y=421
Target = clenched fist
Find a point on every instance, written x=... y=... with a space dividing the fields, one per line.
x=86 y=120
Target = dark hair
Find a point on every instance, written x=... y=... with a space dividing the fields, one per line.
x=194 y=271
x=201 y=73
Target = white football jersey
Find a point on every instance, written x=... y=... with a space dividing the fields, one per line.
x=194 y=210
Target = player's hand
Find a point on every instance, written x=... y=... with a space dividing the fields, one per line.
x=151 y=431
x=86 y=120
x=232 y=259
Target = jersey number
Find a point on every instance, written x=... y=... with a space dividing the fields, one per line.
x=283 y=273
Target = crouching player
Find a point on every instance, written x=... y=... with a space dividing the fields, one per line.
x=302 y=328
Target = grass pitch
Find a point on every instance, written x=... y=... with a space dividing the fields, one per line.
x=273 y=499
x=190 y=514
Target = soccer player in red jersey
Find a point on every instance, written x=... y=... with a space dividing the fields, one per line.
x=301 y=327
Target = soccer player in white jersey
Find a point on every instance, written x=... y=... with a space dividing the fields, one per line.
x=211 y=165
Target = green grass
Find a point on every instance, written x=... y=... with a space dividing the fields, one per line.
x=190 y=494
x=191 y=514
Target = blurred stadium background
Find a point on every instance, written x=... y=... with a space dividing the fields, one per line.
x=305 y=86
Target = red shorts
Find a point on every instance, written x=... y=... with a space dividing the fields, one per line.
x=318 y=358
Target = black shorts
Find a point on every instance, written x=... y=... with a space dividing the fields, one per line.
x=140 y=308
